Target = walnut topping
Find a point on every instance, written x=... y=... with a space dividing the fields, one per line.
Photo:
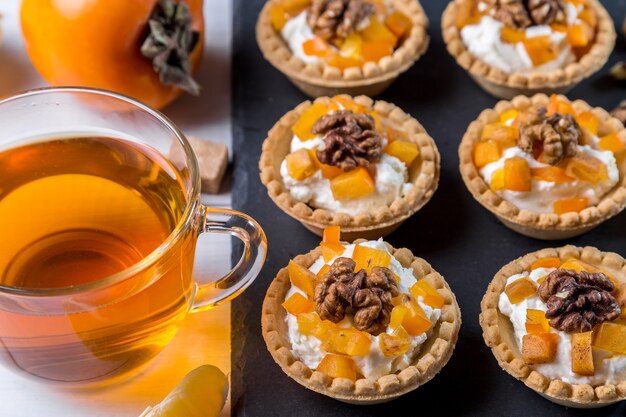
x=350 y=139
x=620 y=112
x=577 y=301
x=521 y=14
x=342 y=291
x=558 y=135
x=337 y=18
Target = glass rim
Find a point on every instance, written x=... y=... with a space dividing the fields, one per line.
x=174 y=236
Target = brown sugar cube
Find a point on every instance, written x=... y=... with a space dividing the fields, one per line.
x=213 y=159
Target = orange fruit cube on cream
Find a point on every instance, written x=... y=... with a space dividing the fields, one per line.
x=578 y=265
x=497 y=180
x=408 y=314
x=610 y=337
x=517 y=175
x=430 y=295
x=352 y=184
x=350 y=342
x=589 y=121
x=316 y=46
x=278 y=17
x=375 y=51
x=568 y=205
x=395 y=344
x=511 y=35
x=297 y=304
x=509 y=114
x=308 y=323
x=302 y=128
x=398 y=23
x=587 y=168
x=505 y=136
x=548 y=262
x=520 y=289
x=341 y=62
x=540 y=49
x=559 y=106
x=300 y=165
x=367 y=258
x=348 y=103
x=611 y=142
x=579 y=34
x=320 y=274
x=331 y=246
x=551 y=174
x=486 y=153
x=324 y=330
x=378 y=32
x=536 y=321
x=302 y=278
x=404 y=151
x=539 y=348
x=337 y=366
x=582 y=354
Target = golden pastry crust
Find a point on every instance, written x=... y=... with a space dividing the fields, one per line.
x=507 y=86
x=541 y=225
x=318 y=79
x=499 y=336
x=434 y=354
x=423 y=174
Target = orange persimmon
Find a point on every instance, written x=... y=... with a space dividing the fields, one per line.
x=96 y=43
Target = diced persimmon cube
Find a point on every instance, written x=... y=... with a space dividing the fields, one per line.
x=520 y=289
x=589 y=121
x=540 y=49
x=517 y=174
x=404 y=151
x=294 y=7
x=559 y=27
x=497 y=180
x=486 y=153
x=323 y=270
x=589 y=17
x=302 y=128
x=308 y=323
x=376 y=31
x=331 y=250
x=582 y=354
x=332 y=234
x=341 y=62
x=399 y=24
x=397 y=316
x=430 y=295
x=393 y=134
x=347 y=103
x=302 y=278
x=578 y=265
x=467 y=13
x=551 y=174
x=351 y=46
x=509 y=114
x=278 y=17
x=367 y=258
x=349 y=341
x=512 y=35
x=297 y=304
x=337 y=366
x=579 y=34
x=567 y=205
x=611 y=142
x=408 y=313
x=505 y=136
x=300 y=165
x=395 y=344
x=324 y=330
x=610 y=337
x=536 y=321
x=328 y=171
x=375 y=51
x=416 y=324
x=539 y=348
x=547 y=262
x=585 y=167
x=559 y=106
x=352 y=184
x=316 y=46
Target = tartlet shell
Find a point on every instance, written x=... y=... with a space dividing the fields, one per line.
x=499 y=336
x=502 y=85
x=433 y=356
x=320 y=79
x=548 y=226
x=381 y=221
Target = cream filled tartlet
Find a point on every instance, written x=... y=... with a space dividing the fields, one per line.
x=556 y=165
x=350 y=46
x=527 y=46
x=359 y=321
x=365 y=166
x=562 y=325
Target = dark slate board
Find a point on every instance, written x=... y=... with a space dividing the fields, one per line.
x=454 y=233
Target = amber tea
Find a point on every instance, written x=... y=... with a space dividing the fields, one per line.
x=74 y=211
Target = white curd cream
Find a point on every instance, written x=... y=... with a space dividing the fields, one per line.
x=391 y=183
x=483 y=40
x=295 y=32
x=608 y=370
x=375 y=364
x=541 y=198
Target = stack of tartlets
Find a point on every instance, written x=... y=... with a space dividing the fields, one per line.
x=353 y=47
x=527 y=47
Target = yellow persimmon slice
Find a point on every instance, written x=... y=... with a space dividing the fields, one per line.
x=486 y=153
x=520 y=289
x=567 y=205
x=582 y=354
x=302 y=128
x=352 y=184
x=611 y=142
x=536 y=321
x=300 y=165
x=297 y=304
x=404 y=151
x=338 y=366
x=548 y=262
x=302 y=278
x=430 y=295
x=539 y=348
x=517 y=175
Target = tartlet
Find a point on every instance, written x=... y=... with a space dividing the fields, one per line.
x=559 y=224
x=423 y=172
x=499 y=334
x=321 y=79
x=503 y=84
x=433 y=353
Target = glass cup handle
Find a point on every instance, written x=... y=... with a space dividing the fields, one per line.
x=249 y=265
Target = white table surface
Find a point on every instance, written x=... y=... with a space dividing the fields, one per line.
x=203 y=337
